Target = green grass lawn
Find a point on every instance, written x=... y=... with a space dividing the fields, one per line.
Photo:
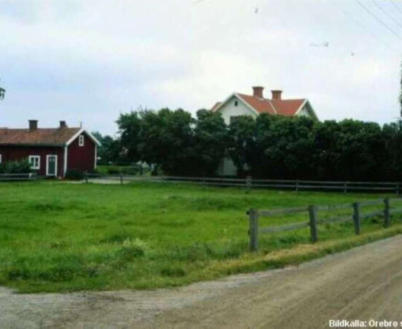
x=56 y=236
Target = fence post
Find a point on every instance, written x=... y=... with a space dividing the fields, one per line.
x=297 y=185
x=398 y=189
x=86 y=177
x=248 y=182
x=356 y=217
x=345 y=187
x=253 y=229
x=121 y=178
x=386 y=213
x=313 y=223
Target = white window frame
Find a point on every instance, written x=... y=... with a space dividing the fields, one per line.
x=37 y=167
x=81 y=140
x=47 y=164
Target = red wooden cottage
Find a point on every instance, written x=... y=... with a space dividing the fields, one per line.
x=51 y=151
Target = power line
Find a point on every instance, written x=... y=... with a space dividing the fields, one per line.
x=363 y=27
x=379 y=20
x=386 y=13
x=396 y=6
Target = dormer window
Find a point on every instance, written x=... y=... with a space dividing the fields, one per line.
x=81 y=140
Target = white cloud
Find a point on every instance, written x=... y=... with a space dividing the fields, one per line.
x=89 y=60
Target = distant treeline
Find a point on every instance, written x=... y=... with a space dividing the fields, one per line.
x=175 y=143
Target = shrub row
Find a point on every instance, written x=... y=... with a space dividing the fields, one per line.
x=267 y=147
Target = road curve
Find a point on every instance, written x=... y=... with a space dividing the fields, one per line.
x=364 y=284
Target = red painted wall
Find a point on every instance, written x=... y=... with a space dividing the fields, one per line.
x=18 y=153
x=81 y=157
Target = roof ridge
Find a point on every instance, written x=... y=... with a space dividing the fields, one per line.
x=289 y=99
x=272 y=105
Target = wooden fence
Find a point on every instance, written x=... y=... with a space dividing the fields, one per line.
x=250 y=183
x=18 y=177
x=314 y=220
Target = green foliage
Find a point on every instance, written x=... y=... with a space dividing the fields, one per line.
x=15 y=167
x=350 y=150
x=210 y=141
x=2 y=93
x=75 y=174
x=284 y=147
x=242 y=144
x=126 y=170
x=174 y=143
x=400 y=94
x=110 y=150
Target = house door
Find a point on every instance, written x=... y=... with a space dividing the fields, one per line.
x=51 y=165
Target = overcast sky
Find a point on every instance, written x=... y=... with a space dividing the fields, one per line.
x=91 y=60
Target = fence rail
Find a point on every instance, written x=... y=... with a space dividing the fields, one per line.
x=356 y=216
x=249 y=183
x=18 y=177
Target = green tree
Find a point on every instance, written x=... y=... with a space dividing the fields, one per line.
x=129 y=130
x=162 y=139
x=285 y=146
x=349 y=150
x=2 y=92
x=110 y=150
x=327 y=154
x=392 y=134
x=210 y=140
x=400 y=95
x=175 y=142
x=241 y=143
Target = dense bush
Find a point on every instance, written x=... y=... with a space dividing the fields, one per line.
x=75 y=174
x=173 y=141
x=15 y=167
x=267 y=147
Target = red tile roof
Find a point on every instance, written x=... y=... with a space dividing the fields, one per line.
x=215 y=106
x=285 y=107
x=37 y=137
x=261 y=105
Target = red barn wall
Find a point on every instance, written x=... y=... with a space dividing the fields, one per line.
x=81 y=157
x=18 y=153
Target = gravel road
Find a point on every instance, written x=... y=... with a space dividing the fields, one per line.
x=363 y=283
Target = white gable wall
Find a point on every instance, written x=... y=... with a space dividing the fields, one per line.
x=307 y=111
x=304 y=112
x=229 y=110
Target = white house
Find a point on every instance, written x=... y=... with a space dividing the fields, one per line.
x=241 y=104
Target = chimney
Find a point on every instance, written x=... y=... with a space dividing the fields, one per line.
x=63 y=124
x=33 y=125
x=258 y=92
x=276 y=94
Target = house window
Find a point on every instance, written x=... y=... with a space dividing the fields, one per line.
x=81 y=140
x=236 y=103
x=34 y=161
x=233 y=118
